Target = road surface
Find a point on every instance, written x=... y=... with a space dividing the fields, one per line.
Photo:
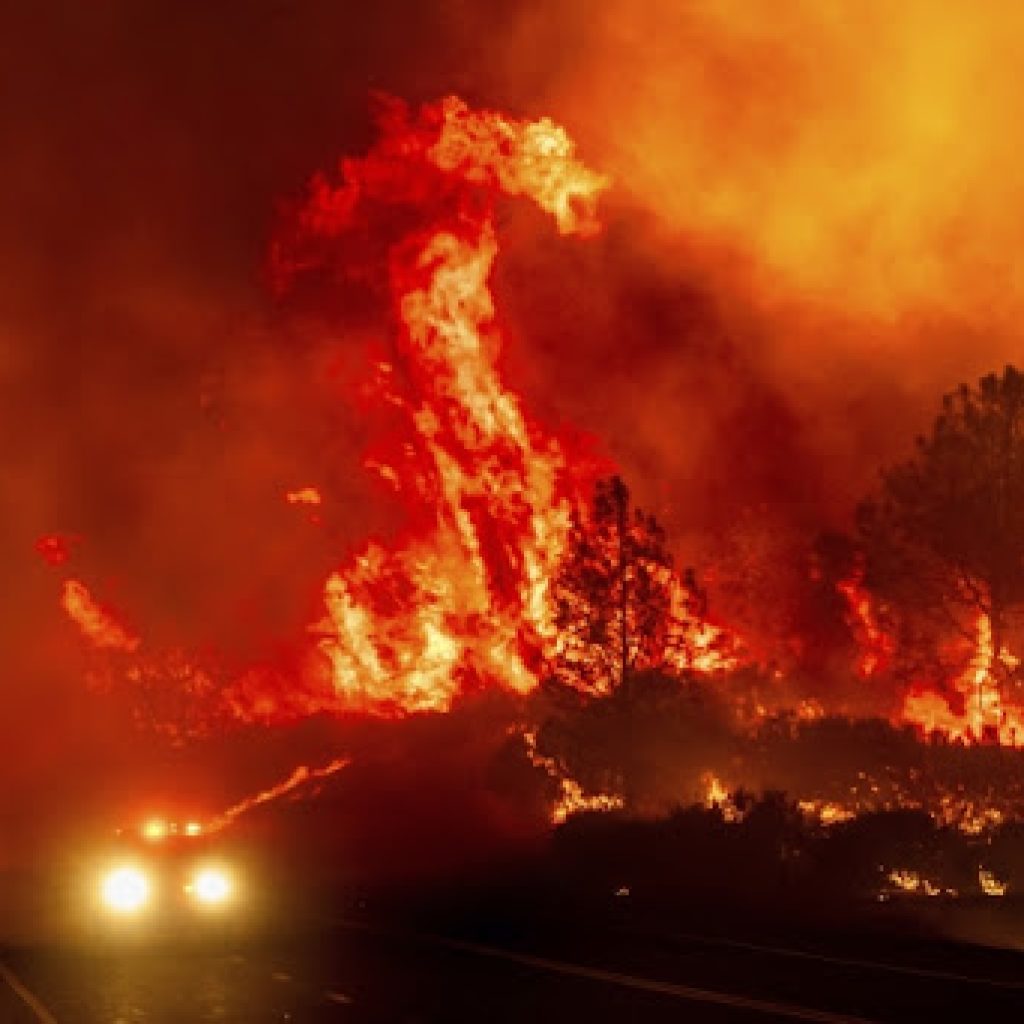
x=355 y=972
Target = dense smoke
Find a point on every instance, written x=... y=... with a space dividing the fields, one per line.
x=836 y=183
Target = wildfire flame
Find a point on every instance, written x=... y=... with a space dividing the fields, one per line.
x=913 y=883
x=572 y=798
x=54 y=549
x=98 y=623
x=875 y=644
x=301 y=776
x=462 y=600
x=982 y=715
x=303 y=496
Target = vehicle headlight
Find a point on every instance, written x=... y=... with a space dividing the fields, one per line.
x=125 y=889
x=211 y=886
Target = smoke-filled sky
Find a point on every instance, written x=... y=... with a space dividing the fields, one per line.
x=814 y=230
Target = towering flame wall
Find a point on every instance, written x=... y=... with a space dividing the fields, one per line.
x=461 y=600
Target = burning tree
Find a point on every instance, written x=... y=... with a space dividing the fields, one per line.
x=620 y=606
x=943 y=542
x=625 y=721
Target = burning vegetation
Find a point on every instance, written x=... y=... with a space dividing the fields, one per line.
x=521 y=566
x=461 y=600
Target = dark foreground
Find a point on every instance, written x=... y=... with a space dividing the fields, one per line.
x=368 y=970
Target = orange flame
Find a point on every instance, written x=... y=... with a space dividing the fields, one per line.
x=984 y=715
x=464 y=598
x=303 y=496
x=98 y=623
x=461 y=600
x=302 y=775
x=875 y=644
x=572 y=798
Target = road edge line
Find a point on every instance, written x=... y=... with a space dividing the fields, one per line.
x=26 y=995
x=669 y=988
x=929 y=973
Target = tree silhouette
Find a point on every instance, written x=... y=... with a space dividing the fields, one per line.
x=620 y=606
x=944 y=536
x=651 y=741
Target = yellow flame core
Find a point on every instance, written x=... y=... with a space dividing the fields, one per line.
x=990 y=885
x=915 y=884
x=303 y=496
x=469 y=595
x=718 y=797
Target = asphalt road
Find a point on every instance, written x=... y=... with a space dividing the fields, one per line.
x=356 y=972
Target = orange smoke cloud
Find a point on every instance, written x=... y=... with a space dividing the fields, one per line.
x=863 y=154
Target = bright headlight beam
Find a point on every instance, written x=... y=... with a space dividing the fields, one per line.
x=125 y=889
x=211 y=886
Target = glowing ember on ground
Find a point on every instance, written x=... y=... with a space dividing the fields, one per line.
x=990 y=885
x=825 y=812
x=914 y=884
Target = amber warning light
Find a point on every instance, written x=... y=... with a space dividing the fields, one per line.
x=156 y=829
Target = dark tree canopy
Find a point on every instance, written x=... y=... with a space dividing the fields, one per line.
x=620 y=606
x=944 y=537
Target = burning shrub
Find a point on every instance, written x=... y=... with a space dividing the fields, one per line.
x=649 y=741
